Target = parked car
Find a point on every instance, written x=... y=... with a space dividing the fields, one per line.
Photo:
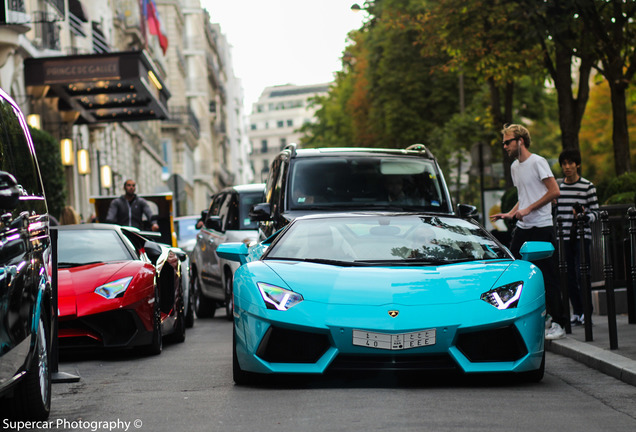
x=186 y=231
x=117 y=289
x=27 y=315
x=387 y=291
x=227 y=220
x=309 y=181
x=185 y=228
x=162 y=209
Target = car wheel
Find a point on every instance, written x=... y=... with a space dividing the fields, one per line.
x=536 y=375
x=204 y=307
x=229 y=298
x=32 y=397
x=240 y=376
x=189 y=316
x=156 y=346
x=179 y=334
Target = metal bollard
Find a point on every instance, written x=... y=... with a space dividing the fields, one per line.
x=585 y=285
x=631 y=287
x=563 y=275
x=608 y=271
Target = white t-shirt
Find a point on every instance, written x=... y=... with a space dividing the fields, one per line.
x=528 y=177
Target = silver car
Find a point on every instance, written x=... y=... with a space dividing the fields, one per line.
x=227 y=220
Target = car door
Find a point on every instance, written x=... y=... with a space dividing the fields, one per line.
x=25 y=252
x=205 y=252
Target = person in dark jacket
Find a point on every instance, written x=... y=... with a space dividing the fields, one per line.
x=128 y=209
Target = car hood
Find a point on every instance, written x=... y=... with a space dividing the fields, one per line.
x=390 y=285
x=76 y=284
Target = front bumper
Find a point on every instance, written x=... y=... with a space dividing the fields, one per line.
x=472 y=337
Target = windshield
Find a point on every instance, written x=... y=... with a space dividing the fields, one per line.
x=79 y=247
x=386 y=239
x=247 y=201
x=186 y=228
x=366 y=183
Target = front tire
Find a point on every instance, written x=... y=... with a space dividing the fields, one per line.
x=536 y=375
x=204 y=307
x=240 y=376
x=189 y=318
x=156 y=346
x=32 y=396
x=229 y=297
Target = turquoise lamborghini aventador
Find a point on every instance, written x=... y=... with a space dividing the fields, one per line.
x=386 y=291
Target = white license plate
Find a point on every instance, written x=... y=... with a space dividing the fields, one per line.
x=394 y=341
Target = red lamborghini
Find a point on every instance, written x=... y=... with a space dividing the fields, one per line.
x=117 y=289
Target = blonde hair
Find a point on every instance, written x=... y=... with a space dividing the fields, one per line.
x=518 y=131
x=68 y=216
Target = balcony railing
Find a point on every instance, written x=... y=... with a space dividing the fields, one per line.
x=184 y=116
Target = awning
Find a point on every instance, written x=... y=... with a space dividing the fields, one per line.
x=112 y=87
x=75 y=7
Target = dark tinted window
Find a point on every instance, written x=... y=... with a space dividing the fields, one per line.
x=247 y=200
x=77 y=247
x=366 y=182
x=16 y=155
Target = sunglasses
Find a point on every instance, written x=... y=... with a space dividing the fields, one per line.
x=507 y=142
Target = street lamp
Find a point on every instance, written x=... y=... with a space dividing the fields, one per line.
x=106 y=176
x=66 y=149
x=83 y=162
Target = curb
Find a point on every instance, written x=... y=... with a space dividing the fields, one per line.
x=607 y=362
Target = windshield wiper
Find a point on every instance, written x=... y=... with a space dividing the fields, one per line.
x=76 y=264
x=321 y=261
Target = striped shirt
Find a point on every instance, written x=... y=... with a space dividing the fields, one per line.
x=583 y=192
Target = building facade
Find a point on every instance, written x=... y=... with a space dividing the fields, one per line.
x=133 y=88
x=275 y=121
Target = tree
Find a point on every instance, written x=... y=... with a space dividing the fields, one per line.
x=562 y=36
x=612 y=26
x=489 y=41
x=49 y=159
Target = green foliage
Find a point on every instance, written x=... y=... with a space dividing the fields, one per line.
x=618 y=189
x=49 y=159
x=621 y=198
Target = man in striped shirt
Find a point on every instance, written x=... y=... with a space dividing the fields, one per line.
x=578 y=195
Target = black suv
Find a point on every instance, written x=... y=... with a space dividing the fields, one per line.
x=26 y=300
x=347 y=179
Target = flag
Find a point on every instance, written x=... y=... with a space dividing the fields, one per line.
x=153 y=21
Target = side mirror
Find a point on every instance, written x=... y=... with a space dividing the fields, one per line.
x=153 y=250
x=536 y=250
x=233 y=252
x=9 y=191
x=214 y=223
x=260 y=212
x=468 y=211
x=180 y=254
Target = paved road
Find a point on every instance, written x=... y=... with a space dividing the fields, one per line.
x=189 y=388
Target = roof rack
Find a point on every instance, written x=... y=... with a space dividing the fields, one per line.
x=292 y=148
x=420 y=148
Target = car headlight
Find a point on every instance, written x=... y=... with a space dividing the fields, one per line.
x=113 y=289
x=278 y=298
x=504 y=297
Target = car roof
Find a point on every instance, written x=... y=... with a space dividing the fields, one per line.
x=361 y=151
x=252 y=187
x=331 y=215
x=186 y=217
x=85 y=226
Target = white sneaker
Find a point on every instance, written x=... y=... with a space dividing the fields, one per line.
x=555 y=332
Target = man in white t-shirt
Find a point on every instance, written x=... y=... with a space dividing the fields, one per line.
x=536 y=189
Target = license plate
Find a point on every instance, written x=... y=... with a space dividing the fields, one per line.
x=394 y=341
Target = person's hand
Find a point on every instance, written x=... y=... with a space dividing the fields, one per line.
x=521 y=213
x=498 y=216
x=155 y=227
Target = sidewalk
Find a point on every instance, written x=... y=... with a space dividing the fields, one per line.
x=619 y=363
